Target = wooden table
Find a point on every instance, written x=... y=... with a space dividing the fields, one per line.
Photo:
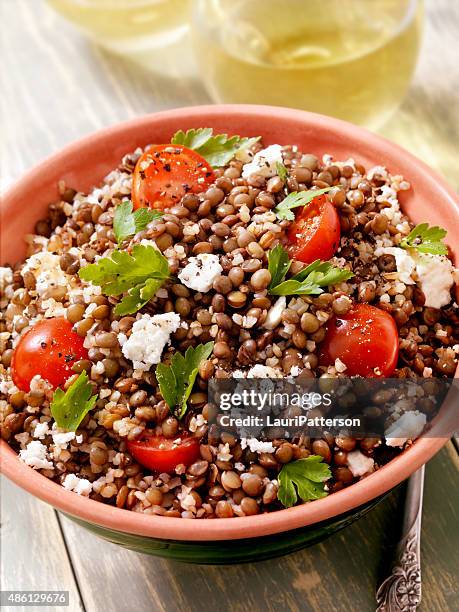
x=57 y=87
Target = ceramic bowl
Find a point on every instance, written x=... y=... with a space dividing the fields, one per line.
x=84 y=164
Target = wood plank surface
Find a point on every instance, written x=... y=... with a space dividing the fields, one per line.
x=33 y=551
x=57 y=87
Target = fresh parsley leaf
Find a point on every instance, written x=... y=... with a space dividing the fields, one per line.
x=127 y=223
x=177 y=379
x=282 y=171
x=139 y=274
x=70 y=407
x=193 y=139
x=303 y=478
x=307 y=282
x=426 y=239
x=278 y=265
x=295 y=199
x=218 y=150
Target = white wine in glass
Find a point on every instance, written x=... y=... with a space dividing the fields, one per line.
x=154 y=33
x=352 y=59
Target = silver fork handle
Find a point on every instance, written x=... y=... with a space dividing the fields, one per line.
x=401 y=591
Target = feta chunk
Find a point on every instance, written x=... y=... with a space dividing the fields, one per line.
x=6 y=277
x=78 y=485
x=264 y=162
x=200 y=272
x=41 y=430
x=436 y=276
x=407 y=427
x=47 y=271
x=359 y=464
x=149 y=336
x=35 y=455
x=62 y=438
x=263 y=371
x=257 y=446
x=274 y=316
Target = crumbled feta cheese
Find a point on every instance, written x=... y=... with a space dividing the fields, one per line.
x=257 y=446
x=46 y=268
x=35 y=455
x=149 y=336
x=6 y=277
x=263 y=371
x=359 y=464
x=200 y=272
x=407 y=427
x=436 y=276
x=62 y=438
x=76 y=484
x=274 y=316
x=41 y=430
x=264 y=162
x=146 y=242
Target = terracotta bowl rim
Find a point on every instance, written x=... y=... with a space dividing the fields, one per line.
x=179 y=529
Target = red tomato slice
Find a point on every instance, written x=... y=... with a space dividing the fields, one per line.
x=315 y=233
x=365 y=340
x=161 y=454
x=49 y=348
x=165 y=173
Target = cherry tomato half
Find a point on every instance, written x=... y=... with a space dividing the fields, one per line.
x=49 y=348
x=161 y=454
x=315 y=233
x=365 y=340
x=165 y=173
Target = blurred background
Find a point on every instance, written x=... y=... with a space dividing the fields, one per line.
x=73 y=66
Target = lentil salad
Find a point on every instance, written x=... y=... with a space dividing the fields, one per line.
x=228 y=227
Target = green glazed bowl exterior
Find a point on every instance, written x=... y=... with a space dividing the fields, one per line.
x=228 y=552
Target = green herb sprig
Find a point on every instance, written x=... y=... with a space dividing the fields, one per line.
x=296 y=199
x=177 y=379
x=282 y=171
x=218 y=150
x=139 y=275
x=307 y=282
x=303 y=478
x=69 y=408
x=127 y=223
x=426 y=239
